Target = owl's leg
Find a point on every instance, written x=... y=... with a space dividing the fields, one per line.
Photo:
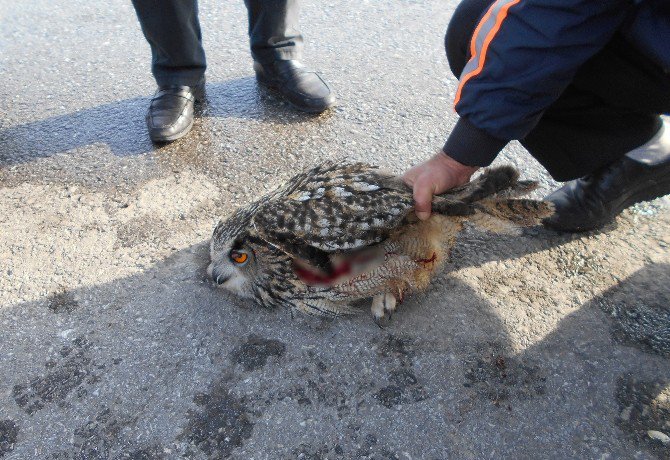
x=383 y=306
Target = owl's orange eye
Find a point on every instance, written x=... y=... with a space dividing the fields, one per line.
x=238 y=257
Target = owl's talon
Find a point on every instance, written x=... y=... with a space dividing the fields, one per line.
x=383 y=306
x=382 y=321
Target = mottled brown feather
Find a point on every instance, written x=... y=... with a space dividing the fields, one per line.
x=334 y=213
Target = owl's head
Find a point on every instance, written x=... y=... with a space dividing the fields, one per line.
x=234 y=259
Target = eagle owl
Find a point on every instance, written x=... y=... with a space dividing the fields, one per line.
x=338 y=233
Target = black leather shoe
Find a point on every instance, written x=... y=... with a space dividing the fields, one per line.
x=594 y=200
x=170 y=114
x=301 y=87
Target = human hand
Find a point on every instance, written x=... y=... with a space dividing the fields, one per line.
x=435 y=176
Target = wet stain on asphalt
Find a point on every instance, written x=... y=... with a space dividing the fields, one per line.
x=368 y=447
x=222 y=423
x=640 y=310
x=254 y=353
x=94 y=440
x=325 y=385
x=308 y=451
x=500 y=378
x=397 y=347
x=8 y=434
x=102 y=439
x=645 y=406
x=148 y=453
x=404 y=389
x=404 y=386
x=62 y=301
x=71 y=372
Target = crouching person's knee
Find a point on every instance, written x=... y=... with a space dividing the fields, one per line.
x=459 y=32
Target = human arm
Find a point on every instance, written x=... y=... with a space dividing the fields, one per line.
x=522 y=56
x=433 y=177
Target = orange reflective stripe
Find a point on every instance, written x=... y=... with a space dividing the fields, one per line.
x=502 y=14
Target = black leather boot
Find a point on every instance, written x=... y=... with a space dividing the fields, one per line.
x=170 y=114
x=301 y=87
x=594 y=200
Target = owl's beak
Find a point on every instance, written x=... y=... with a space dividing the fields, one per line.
x=217 y=276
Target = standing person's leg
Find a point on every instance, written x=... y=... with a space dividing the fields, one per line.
x=276 y=47
x=605 y=127
x=273 y=30
x=178 y=64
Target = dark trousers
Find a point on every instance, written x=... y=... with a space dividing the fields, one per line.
x=173 y=31
x=611 y=107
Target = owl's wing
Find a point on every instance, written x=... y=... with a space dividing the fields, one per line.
x=331 y=208
x=492 y=181
x=498 y=182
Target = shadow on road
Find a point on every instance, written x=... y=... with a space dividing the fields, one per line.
x=120 y=125
x=491 y=247
x=163 y=362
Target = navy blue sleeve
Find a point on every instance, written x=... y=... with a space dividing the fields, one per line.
x=526 y=52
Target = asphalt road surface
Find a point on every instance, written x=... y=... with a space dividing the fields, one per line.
x=113 y=344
